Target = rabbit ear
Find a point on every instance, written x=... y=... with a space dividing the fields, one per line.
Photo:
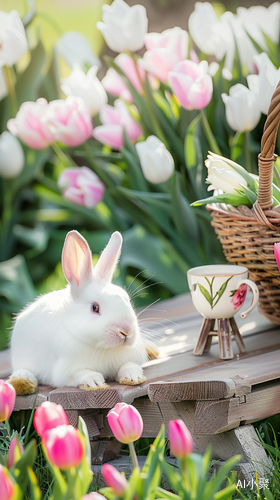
x=76 y=259
x=108 y=260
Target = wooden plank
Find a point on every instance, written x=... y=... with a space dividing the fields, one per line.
x=213 y=417
x=220 y=380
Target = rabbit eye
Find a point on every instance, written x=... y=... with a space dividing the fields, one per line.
x=95 y=308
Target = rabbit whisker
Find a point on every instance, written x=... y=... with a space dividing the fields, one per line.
x=138 y=274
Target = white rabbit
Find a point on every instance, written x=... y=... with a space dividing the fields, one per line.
x=83 y=334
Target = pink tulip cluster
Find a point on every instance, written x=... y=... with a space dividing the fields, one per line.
x=191 y=84
x=61 y=441
x=81 y=186
x=39 y=124
x=116 y=119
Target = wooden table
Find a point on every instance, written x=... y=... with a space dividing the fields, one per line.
x=216 y=399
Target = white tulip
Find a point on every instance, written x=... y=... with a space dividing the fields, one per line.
x=123 y=27
x=75 y=49
x=11 y=156
x=259 y=20
x=242 y=110
x=156 y=162
x=219 y=37
x=210 y=35
x=264 y=83
x=13 y=42
x=222 y=176
x=87 y=86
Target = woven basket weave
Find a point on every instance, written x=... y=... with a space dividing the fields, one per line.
x=248 y=235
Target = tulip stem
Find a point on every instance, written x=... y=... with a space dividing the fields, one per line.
x=248 y=152
x=209 y=134
x=147 y=97
x=62 y=156
x=133 y=456
x=11 y=89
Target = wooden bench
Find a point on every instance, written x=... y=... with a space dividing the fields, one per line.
x=216 y=399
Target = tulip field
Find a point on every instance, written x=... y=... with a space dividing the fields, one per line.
x=107 y=127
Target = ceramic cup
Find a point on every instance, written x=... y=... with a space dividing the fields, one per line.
x=219 y=291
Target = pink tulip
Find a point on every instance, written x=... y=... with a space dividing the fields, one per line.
x=6 y=485
x=191 y=84
x=114 y=479
x=31 y=124
x=277 y=254
x=47 y=416
x=63 y=446
x=164 y=51
x=180 y=439
x=93 y=496
x=11 y=453
x=70 y=120
x=114 y=83
x=115 y=120
x=125 y=422
x=7 y=400
x=81 y=186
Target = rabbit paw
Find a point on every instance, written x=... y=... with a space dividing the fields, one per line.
x=92 y=381
x=130 y=374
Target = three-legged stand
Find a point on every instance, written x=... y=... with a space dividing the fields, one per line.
x=226 y=327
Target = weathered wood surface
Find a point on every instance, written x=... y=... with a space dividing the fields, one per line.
x=230 y=391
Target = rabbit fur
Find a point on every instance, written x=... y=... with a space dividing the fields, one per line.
x=82 y=334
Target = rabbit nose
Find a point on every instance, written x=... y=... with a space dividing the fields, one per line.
x=123 y=333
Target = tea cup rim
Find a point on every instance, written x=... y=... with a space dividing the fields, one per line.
x=230 y=270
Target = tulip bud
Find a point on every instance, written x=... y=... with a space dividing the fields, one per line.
x=48 y=416
x=164 y=51
x=93 y=496
x=70 y=120
x=222 y=175
x=114 y=479
x=31 y=126
x=191 y=84
x=81 y=186
x=12 y=454
x=13 y=38
x=6 y=485
x=11 y=156
x=125 y=422
x=123 y=27
x=63 y=446
x=242 y=110
x=87 y=87
x=180 y=439
x=277 y=254
x=264 y=83
x=155 y=160
x=7 y=400
x=75 y=49
x=115 y=120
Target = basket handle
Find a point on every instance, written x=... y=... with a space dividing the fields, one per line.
x=267 y=157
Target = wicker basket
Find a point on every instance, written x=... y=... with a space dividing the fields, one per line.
x=248 y=235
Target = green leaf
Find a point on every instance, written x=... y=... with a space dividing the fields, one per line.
x=230 y=199
x=34 y=486
x=161 y=493
x=218 y=479
x=183 y=215
x=221 y=291
x=15 y=282
x=29 y=82
x=193 y=154
x=225 y=494
x=20 y=468
x=205 y=293
x=2 y=460
x=142 y=250
x=34 y=162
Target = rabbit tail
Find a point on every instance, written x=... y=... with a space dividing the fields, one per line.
x=24 y=382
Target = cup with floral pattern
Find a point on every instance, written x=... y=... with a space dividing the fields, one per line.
x=219 y=291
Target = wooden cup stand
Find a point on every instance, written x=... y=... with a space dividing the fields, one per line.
x=226 y=327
